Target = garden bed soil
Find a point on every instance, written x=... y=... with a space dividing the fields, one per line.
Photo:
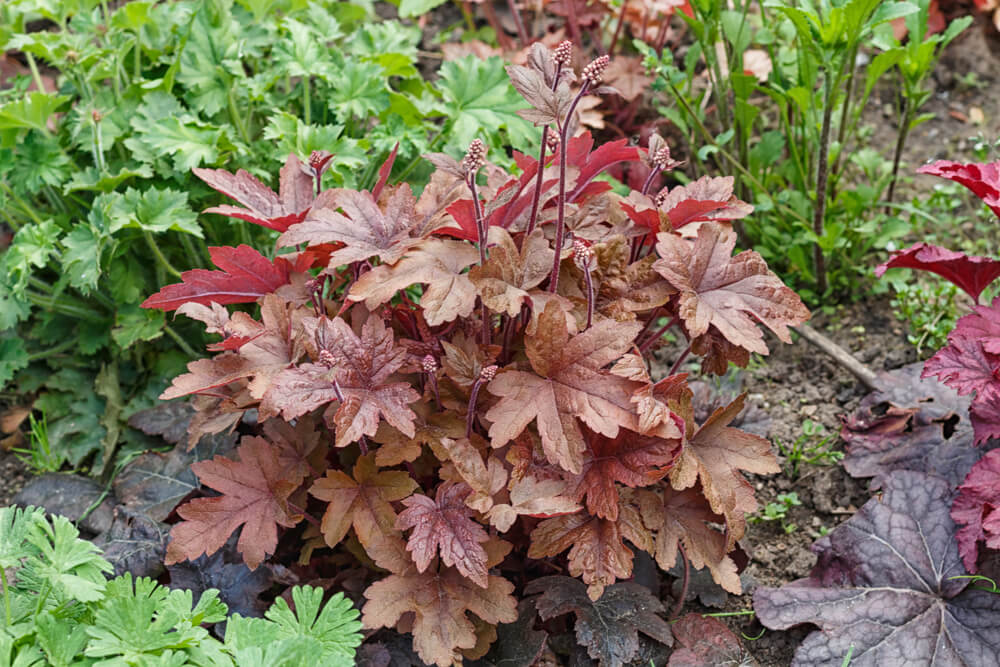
x=13 y=475
x=798 y=382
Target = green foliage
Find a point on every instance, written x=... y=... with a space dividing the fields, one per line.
x=778 y=511
x=59 y=609
x=96 y=181
x=813 y=447
x=798 y=133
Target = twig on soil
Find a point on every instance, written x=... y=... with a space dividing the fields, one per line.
x=866 y=375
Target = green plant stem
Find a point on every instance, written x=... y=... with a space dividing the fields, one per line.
x=54 y=304
x=306 y=102
x=35 y=74
x=822 y=176
x=181 y=343
x=430 y=147
x=20 y=202
x=238 y=121
x=6 y=597
x=729 y=156
x=193 y=253
x=54 y=350
x=848 y=98
x=904 y=130
x=40 y=284
x=160 y=257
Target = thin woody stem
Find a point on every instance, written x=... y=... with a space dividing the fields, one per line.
x=536 y=197
x=659 y=333
x=561 y=214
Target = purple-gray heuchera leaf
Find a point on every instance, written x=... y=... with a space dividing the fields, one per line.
x=884 y=590
x=912 y=424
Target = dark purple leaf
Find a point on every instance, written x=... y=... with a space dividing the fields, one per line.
x=884 y=590
x=705 y=641
x=239 y=586
x=609 y=627
x=135 y=543
x=517 y=644
x=168 y=420
x=912 y=424
x=156 y=483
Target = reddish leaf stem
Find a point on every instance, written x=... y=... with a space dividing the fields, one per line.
x=680 y=359
x=536 y=197
x=618 y=28
x=305 y=515
x=522 y=34
x=590 y=295
x=561 y=215
x=470 y=418
x=656 y=336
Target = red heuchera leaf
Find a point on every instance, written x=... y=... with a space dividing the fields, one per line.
x=439 y=600
x=444 y=524
x=246 y=276
x=885 y=585
x=383 y=173
x=983 y=324
x=977 y=509
x=966 y=366
x=263 y=206
x=708 y=198
x=630 y=459
x=592 y=162
x=706 y=641
x=982 y=179
x=720 y=290
x=985 y=416
x=972 y=274
x=255 y=492
x=363 y=501
x=609 y=626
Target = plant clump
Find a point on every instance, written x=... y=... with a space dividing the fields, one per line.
x=453 y=386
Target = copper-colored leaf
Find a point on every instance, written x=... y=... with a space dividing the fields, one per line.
x=503 y=282
x=444 y=524
x=439 y=600
x=436 y=263
x=720 y=290
x=364 y=229
x=597 y=552
x=363 y=501
x=263 y=206
x=683 y=518
x=630 y=459
x=254 y=490
x=568 y=382
x=715 y=453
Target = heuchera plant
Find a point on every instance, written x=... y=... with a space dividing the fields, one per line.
x=970 y=363
x=452 y=385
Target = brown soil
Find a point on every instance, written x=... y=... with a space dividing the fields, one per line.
x=13 y=475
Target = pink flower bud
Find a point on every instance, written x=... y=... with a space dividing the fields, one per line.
x=583 y=256
x=488 y=373
x=429 y=364
x=563 y=53
x=326 y=358
x=475 y=158
x=592 y=72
